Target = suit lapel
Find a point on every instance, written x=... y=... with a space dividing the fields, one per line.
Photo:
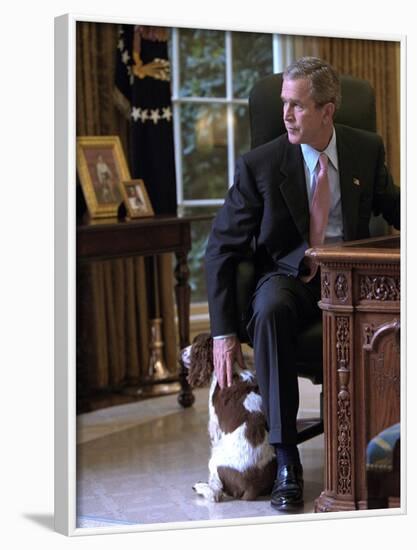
x=293 y=189
x=350 y=193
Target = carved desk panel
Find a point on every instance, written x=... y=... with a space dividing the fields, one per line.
x=360 y=300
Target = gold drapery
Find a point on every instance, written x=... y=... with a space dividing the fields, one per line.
x=114 y=308
x=376 y=61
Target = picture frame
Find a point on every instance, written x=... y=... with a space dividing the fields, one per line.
x=136 y=199
x=101 y=166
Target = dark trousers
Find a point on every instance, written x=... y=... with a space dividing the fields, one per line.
x=281 y=307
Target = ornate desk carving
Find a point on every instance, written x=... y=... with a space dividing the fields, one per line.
x=360 y=300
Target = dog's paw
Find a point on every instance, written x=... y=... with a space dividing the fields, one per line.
x=207 y=492
x=200 y=487
x=195 y=486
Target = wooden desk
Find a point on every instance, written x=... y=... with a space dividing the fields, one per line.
x=360 y=299
x=147 y=237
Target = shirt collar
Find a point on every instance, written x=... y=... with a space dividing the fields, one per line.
x=311 y=155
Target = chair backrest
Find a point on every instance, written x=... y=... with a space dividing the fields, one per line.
x=265 y=107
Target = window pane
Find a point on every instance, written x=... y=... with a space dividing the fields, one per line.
x=242 y=132
x=199 y=237
x=202 y=63
x=204 y=154
x=252 y=60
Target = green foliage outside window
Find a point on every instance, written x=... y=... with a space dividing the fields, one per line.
x=204 y=134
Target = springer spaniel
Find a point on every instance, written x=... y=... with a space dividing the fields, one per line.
x=242 y=463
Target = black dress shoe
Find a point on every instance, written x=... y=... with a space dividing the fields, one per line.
x=287 y=493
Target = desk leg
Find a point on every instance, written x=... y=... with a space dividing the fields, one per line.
x=339 y=491
x=182 y=294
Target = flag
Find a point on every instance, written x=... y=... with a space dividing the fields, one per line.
x=143 y=93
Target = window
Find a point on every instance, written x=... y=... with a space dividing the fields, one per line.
x=212 y=74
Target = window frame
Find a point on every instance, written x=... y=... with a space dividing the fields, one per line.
x=282 y=54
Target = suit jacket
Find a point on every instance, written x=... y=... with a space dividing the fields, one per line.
x=267 y=209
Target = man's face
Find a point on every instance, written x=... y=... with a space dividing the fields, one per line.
x=304 y=120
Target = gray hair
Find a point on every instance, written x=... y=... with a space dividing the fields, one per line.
x=325 y=83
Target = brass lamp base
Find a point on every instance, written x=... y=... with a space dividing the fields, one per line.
x=158 y=381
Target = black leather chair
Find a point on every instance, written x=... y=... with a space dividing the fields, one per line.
x=266 y=123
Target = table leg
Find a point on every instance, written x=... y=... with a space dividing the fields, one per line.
x=182 y=294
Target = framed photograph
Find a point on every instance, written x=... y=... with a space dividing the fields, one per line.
x=136 y=199
x=101 y=167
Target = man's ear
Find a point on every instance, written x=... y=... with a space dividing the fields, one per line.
x=329 y=110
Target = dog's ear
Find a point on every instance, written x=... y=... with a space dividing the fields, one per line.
x=201 y=363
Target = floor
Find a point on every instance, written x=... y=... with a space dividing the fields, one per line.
x=137 y=462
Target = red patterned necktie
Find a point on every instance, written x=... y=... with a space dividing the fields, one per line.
x=319 y=213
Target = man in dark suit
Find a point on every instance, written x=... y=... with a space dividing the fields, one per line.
x=274 y=202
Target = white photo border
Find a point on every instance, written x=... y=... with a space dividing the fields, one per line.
x=65 y=276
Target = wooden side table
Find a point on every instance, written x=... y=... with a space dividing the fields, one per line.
x=147 y=237
x=360 y=300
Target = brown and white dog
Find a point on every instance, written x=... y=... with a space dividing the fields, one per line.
x=242 y=463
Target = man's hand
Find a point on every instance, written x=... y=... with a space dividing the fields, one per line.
x=225 y=352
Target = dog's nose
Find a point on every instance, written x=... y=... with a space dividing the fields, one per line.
x=186 y=357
